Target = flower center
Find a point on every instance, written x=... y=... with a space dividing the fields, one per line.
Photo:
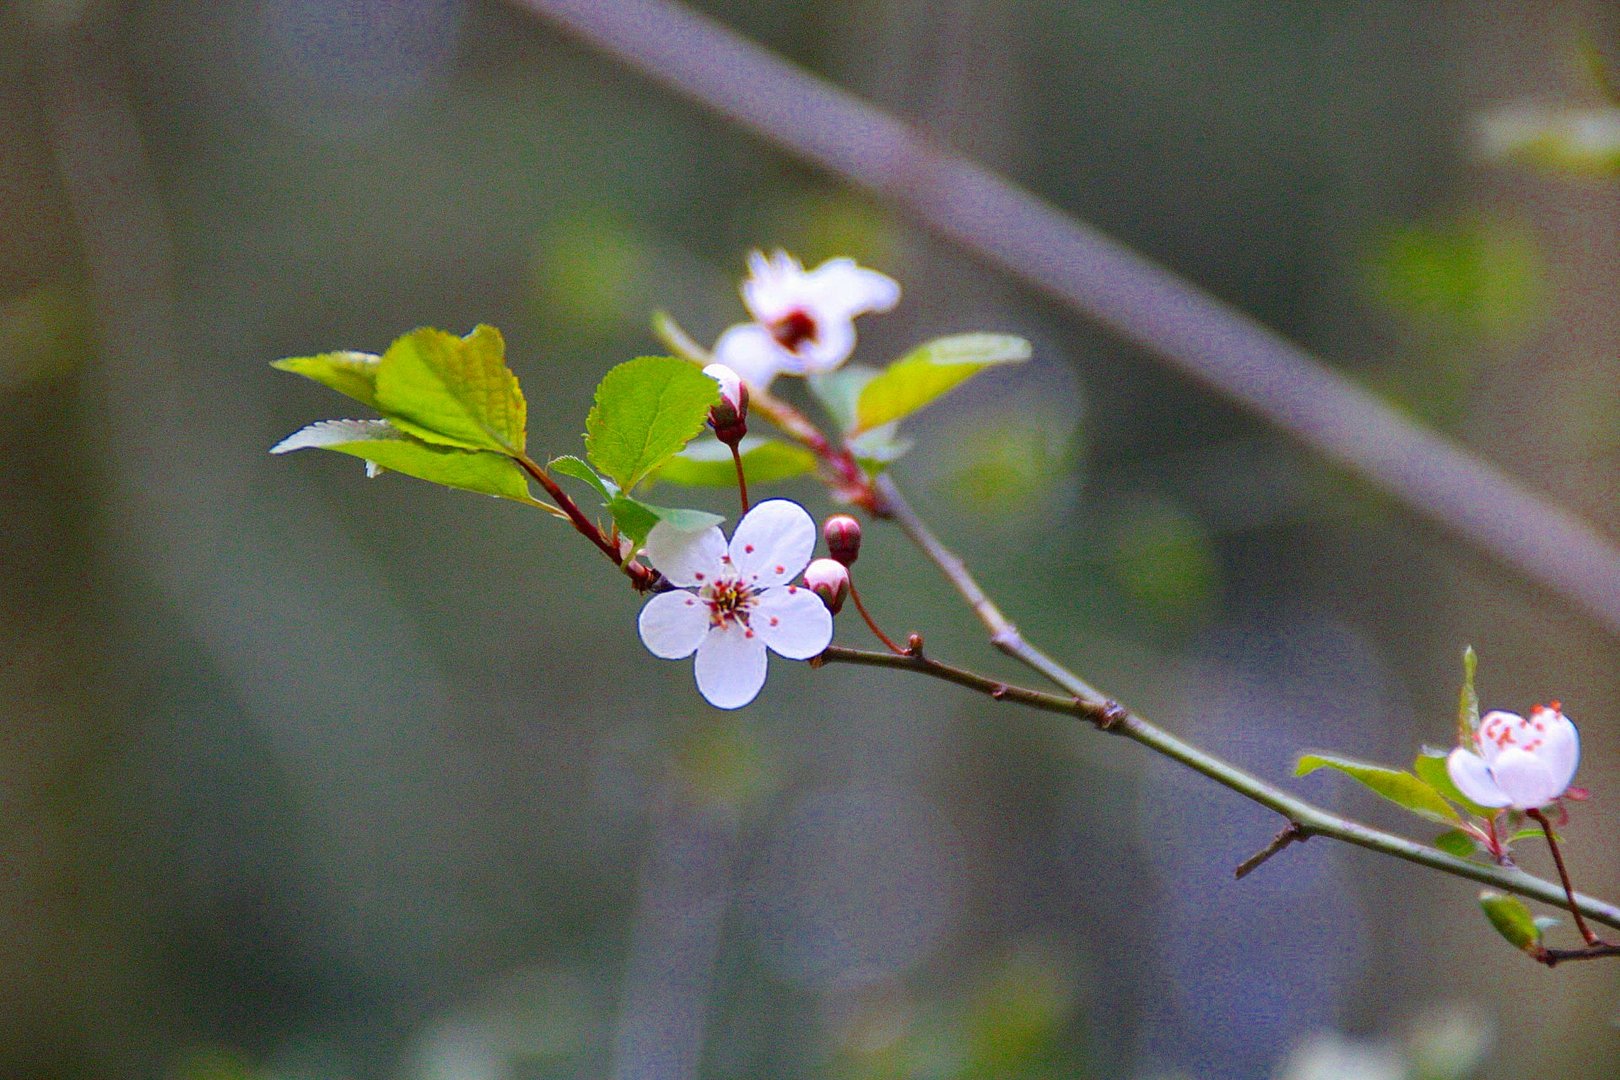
x=794 y=329
x=729 y=601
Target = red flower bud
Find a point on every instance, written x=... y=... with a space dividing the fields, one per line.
x=729 y=418
x=843 y=536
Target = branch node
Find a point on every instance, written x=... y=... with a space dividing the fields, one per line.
x=998 y=691
x=1111 y=715
x=1291 y=833
x=914 y=646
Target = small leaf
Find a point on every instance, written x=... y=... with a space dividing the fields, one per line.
x=646 y=410
x=709 y=464
x=384 y=445
x=1533 y=834
x=353 y=374
x=1512 y=919
x=838 y=391
x=453 y=391
x=1467 y=700
x=879 y=448
x=1401 y=788
x=569 y=465
x=1430 y=767
x=930 y=371
x=636 y=518
x=1456 y=842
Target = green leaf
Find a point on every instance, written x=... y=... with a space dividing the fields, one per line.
x=931 y=370
x=838 y=391
x=1430 y=767
x=879 y=448
x=569 y=465
x=1533 y=834
x=353 y=374
x=1512 y=919
x=1401 y=788
x=1468 y=700
x=709 y=464
x=636 y=518
x=453 y=391
x=646 y=410
x=382 y=444
x=1456 y=842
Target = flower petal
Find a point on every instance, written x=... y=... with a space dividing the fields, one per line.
x=830 y=348
x=774 y=286
x=773 y=542
x=793 y=622
x=730 y=666
x=1473 y=778
x=686 y=557
x=750 y=351
x=842 y=290
x=1524 y=778
x=1561 y=752
x=672 y=624
x=1498 y=730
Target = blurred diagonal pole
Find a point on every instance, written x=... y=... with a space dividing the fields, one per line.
x=1105 y=281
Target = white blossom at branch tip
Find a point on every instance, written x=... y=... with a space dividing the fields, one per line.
x=736 y=600
x=1518 y=762
x=730 y=384
x=804 y=321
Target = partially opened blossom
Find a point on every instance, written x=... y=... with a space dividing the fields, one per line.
x=736 y=600
x=804 y=321
x=1518 y=762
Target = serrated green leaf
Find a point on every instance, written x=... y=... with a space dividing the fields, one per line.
x=384 y=445
x=1468 y=700
x=1430 y=767
x=1401 y=788
x=709 y=464
x=454 y=391
x=646 y=410
x=353 y=374
x=569 y=465
x=838 y=391
x=636 y=518
x=1512 y=919
x=1456 y=842
x=932 y=370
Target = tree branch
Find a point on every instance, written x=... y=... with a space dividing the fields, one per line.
x=1102 y=280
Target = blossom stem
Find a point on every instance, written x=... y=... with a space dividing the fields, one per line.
x=871 y=623
x=1563 y=875
x=1309 y=820
x=640 y=575
x=742 y=481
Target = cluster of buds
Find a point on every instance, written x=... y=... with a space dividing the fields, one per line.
x=829 y=578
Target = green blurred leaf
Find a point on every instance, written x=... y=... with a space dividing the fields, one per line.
x=636 y=518
x=1461 y=281
x=1533 y=834
x=1468 y=700
x=1401 y=788
x=1430 y=767
x=456 y=391
x=1597 y=66
x=45 y=333
x=386 y=446
x=879 y=448
x=1164 y=559
x=709 y=464
x=1512 y=919
x=353 y=374
x=1003 y=466
x=569 y=465
x=589 y=269
x=930 y=371
x=1456 y=842
x=646 y=410
x=838 y=391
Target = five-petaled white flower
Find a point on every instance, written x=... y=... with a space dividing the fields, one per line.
x=741 y=600
x=804 y=322
x=1518 y=762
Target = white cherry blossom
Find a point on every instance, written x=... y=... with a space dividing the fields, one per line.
x=1518 y=762
x=804 y=321
x=736 y=600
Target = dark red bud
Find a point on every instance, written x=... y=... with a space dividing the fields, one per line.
x=843 y=536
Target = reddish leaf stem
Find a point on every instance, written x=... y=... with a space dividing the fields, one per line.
x=1563 y=876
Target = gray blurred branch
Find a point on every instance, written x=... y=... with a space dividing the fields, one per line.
x=1104 y=281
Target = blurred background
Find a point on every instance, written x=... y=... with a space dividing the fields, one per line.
x=309 y=777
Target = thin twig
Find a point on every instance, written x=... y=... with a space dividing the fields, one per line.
x=1109 y=716
x=871 y=623
x=1290 y=834
x=1563 y=875
x=1554 y=957
x=1105 y=281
